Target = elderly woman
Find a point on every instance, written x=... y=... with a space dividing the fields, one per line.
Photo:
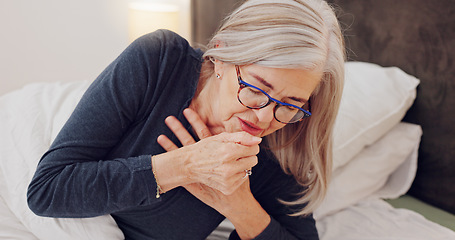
x=250 y=140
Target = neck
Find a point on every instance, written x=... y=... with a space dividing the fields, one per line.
x=203 y=102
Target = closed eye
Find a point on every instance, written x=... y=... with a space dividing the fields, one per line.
x=255 y=91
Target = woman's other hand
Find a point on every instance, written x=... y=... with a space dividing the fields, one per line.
x=220 y=161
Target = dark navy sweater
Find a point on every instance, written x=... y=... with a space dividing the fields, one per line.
x=100 y=162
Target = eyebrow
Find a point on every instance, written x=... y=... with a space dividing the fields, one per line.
x=267 y=84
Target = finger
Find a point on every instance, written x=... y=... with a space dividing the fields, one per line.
x=166 y=143
x=242 y=165
x=246 y=163
x=228 y=151
x=238 y=152
x=180 y=132
x=242 y=138
x=229 y=171
x=196 y=122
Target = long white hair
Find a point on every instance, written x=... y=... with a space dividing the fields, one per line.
x=301 y=34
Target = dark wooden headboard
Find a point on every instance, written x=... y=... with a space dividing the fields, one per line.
x=417 y=36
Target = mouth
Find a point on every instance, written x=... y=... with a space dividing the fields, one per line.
x=250 y=127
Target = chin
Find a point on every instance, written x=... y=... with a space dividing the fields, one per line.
x=265 y=133
x=270 y=131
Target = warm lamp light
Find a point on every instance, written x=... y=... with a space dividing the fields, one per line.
x=147 y=17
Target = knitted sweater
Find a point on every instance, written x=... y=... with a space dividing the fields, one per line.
x=100 y=163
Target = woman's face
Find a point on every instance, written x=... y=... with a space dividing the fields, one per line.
x=293 y=86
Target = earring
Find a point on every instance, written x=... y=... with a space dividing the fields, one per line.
x=218 y=76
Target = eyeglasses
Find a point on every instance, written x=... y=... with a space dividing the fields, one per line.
x=255 y=98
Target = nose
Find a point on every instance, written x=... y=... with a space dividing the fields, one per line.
x=265 y=114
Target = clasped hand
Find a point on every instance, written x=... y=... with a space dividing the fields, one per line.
x=218 y=161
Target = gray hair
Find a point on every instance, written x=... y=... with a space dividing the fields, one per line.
x=302 y=34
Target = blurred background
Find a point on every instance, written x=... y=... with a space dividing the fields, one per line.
x=61 y=40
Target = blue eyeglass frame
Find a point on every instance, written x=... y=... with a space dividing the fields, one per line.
x=271 y=99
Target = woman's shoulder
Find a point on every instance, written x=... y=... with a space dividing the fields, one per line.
x=160 y=36
x=167 y=42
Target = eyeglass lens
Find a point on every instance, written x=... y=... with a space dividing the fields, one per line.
x=253 y=98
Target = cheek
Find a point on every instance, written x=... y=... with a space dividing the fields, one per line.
x=229 y=104
x=234 y=109
x=225 y=113
x=228 y=96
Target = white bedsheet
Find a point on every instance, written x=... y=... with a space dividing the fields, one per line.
x=375 y=219
x=30 y=118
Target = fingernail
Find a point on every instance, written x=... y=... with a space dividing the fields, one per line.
x=257 y=138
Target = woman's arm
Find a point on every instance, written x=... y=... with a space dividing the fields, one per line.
x=100 y=161
x=76 y=177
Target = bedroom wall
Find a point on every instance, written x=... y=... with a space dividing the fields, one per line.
x=54 y=40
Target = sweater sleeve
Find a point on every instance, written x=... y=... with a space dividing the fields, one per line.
x=275 y=231
x=74 y=178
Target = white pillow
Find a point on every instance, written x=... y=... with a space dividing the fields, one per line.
x=376 y=172
x=30 y=119
x=385 y=169
x=374 y=100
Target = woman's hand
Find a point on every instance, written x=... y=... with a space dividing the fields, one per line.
x=217 y=161
x=239 y=206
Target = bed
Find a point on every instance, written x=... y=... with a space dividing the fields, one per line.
x=393 y=144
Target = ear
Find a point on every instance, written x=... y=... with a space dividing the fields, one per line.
x=219 y=67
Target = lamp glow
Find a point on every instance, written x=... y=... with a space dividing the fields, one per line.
x=147 y=17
